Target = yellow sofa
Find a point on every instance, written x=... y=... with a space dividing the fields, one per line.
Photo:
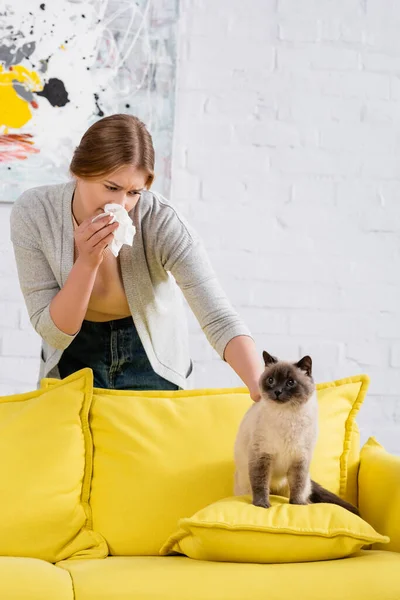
x=93 y=483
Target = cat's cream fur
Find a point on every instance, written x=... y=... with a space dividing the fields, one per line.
x=289 y=433
x=277 y=436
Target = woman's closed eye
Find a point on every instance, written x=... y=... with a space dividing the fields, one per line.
x=111 y=188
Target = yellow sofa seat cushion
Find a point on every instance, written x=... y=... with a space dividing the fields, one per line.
x=160 y=456
x=234 y=530
x=33 y=579
x=369 y=575
x=45 y=472
x=379 y=481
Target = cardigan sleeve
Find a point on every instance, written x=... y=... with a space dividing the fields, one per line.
x=36 y=278
x=182 y=253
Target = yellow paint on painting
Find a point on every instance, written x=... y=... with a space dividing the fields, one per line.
x=15 y=111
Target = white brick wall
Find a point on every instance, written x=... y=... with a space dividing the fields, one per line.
x=287 y=161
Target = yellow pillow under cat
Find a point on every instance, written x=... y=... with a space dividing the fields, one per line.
x=233 y=530
x=45 y=473
x=160 y=456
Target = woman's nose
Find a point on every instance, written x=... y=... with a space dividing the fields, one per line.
x=122 y=201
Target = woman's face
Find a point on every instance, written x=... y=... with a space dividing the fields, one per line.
x=123 y=187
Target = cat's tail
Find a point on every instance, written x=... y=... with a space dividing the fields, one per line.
x=320 y=494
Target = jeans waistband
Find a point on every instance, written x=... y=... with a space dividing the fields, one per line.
x=104 y=326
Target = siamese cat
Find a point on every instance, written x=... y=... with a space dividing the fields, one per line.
x=277 y=436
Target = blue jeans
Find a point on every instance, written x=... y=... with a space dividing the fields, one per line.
x=115 y=354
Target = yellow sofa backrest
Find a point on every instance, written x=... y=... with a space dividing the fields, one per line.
x=161 y=456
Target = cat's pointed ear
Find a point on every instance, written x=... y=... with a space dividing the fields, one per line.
x=268 y=359
x=305 y=364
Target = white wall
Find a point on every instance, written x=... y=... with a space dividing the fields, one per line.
x=287 y=161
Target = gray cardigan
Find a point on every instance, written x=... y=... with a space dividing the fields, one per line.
x=164 y=245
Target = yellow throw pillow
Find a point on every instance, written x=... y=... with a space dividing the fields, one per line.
x=45 y=473
x=379 y=481
x=158 y=454
x=336 y=455
x=163 y=455
x=233 y=530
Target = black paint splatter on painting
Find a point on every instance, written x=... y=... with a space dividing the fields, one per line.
x=42 y=6
x=100 y=113
x=55 y=92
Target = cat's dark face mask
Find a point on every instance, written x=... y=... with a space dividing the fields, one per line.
x=284 y=382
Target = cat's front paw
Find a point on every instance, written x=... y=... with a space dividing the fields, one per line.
x=261 y=502
x=298 y=501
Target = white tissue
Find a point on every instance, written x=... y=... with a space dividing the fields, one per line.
x=125 y=233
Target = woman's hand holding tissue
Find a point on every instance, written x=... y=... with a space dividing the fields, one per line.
x=92 y=237
x=126 y=230
x=112 y=229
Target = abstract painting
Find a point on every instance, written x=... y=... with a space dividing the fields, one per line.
x=65 y=64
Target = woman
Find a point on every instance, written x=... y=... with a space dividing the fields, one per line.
x=122 y=317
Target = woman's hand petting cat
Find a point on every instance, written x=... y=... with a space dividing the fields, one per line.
x=255 y=393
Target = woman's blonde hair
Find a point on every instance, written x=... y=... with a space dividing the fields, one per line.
x=113 y=142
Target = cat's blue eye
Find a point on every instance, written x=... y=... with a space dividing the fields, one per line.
x=270 y=380
x=290 y=382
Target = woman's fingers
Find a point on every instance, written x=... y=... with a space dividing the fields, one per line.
x=89 y=227
x=102 y=245
x=101 y=234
